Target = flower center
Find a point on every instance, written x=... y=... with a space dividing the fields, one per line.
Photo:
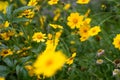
x=39 y=36
x=83 y=0
x=5 y=52
x=49 y=62
x=75 y=21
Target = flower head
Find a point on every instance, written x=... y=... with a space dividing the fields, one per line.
x=95 y=30
x=48 y=63
x=6 y=52
x=70 y=60
x=32 y=3
x=83 y=1
x=52 y=2
x=3 y=6
x=99 y=61
x=74 y=20
x=116 y=41
x=39 y=37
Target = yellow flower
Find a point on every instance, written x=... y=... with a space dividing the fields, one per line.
x=116 y=41
x=74 y=20
x=42 y=20
x=83 y=1
x=67 y=6
x=52 y=2
x=6 y=24
x=84 y=30
x=48 y=63
x=2 y=78
x=32 y=3
x=6 y=52
x=94 y=31
x=55 y=26
x=28 y=14
x=30 y=69
x=39 y=37
x=5 y=36
x=84 y=37
x=70 y=60
x=3 y=6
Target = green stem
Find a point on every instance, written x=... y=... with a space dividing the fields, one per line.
x=108 y=59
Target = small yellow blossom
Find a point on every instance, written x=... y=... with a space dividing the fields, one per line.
x=28 y=14
x=67 y=6
x=30 y=69
x=3 y=6
x=52 y=2
x=5 y=36
x=32 y=3
x=55 y=26
x=70 y=60
x=87 y=13
x=84 y=30
x=56 y=17
x=49 y=36
x=6 y=24
x=83 y=1
x=2 y=78
x=42 y=20
x=48 y=63
x=39 y=37
x=74 y=20
x=94 y=30
x=6 y=52
x=84 y=37
x=116 y=41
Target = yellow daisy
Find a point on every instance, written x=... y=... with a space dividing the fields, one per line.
x=94 y=31
x=74 y=20
x=39 y=37
x=6 y=52
x=116 y=41
x=83 y=1
x=52 y=2
x=48 y=63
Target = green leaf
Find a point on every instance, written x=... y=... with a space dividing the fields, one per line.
x=18 y=20
x=9 y=11
x=16 y=11
x=8 y=61
x=4 y=70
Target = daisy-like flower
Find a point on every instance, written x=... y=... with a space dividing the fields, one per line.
x=6 y=24
x=52 y=2
x=74 y=20
x=116 y=41
x=49 y=62
x=39 y=37
x=84 y=30
x=94 y=31
x=83 y=1
x=84 y=37
x=32 y=3
x=70 y=60
x=27 y=13
x=99 y=61
x=55 y=26
x=6 y=52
